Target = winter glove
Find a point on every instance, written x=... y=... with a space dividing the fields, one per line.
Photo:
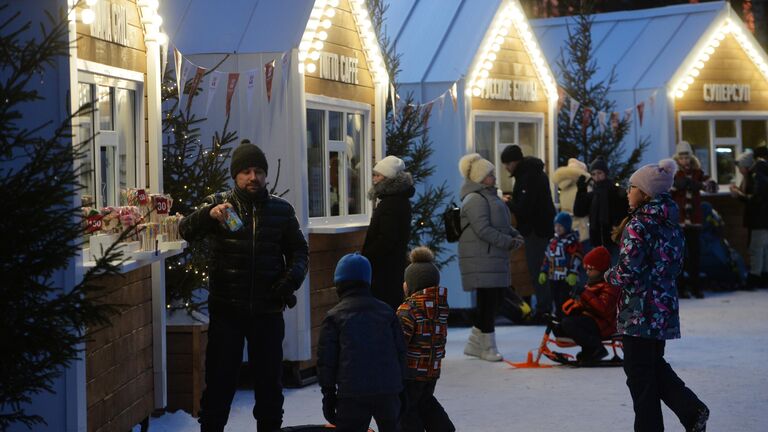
x=581 y=183
x=542 y=278
x=572 y=307
x=517 y=242
x=329 y=404
x=571 y=279
x=284 y=289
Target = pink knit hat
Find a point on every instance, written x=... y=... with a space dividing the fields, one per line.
x=654 y=179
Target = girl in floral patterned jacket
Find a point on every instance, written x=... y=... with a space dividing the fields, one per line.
x=650 y=260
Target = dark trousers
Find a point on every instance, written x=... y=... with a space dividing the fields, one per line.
x=488 y=302
x=583 y=330
x=560 y=293
x=691 y=263
x=227 y=332
x=651 y=380
x=354 y=414
x=534 y=254
x=423 y=411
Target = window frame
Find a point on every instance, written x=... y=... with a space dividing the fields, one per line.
x=327 y=104
x=97 y=75
x=711 y=117
x=508 y=117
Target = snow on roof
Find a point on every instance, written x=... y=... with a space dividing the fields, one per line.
x=646 y=47
x=441 y=40
x=229 y=26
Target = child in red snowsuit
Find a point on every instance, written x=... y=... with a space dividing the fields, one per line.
x=591 y=317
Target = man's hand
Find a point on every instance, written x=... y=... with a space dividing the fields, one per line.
x=506 y=197
x=219 y=212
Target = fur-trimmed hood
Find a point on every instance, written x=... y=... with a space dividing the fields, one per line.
x=695 y=163
x=567 y=176
x=401 y=184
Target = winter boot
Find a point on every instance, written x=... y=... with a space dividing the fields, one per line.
x=474 y=347
x=753 y=281
x=489 y=351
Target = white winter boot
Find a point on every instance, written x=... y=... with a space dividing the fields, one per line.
x=490 y=352
x=474 y=346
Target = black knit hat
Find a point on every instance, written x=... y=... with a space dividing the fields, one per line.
x=511 y=153
x=599 y=164
x=247 y=155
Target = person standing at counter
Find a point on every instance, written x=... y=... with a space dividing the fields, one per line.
x=258 y=258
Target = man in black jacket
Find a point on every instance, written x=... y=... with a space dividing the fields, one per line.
x=255 y=267
x=606 y=205
x=754 y=193
x=361 y=354
x=531 y=203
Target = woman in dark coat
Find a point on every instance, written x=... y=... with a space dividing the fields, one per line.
x=386 y=243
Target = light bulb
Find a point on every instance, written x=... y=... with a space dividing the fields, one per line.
x=311 y=68
x=323 y=35
x=333 y=3
x=476 y=91
x=326 y=23
x=484 y=73
x=91 y=2
x=679 y=94
x=162 y=38
x=689 y=80
x=87 y=16
x=496 y=47
x=314 y=55
x=491 y=56
x=695 y=72
x=312 y=24
x=318 y=45
x=499 y=40
x=488 y=65
x=330 y=12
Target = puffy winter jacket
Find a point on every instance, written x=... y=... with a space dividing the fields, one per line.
x=424 y=319
x=247 y=266
x=687 y=192
x=606 y=206
x=650 y=259
x=361 y=350
x=485 y=244
x=755 y=186
x=563 y=256
x=386 y=242
x=532 y=199
x=599 y=301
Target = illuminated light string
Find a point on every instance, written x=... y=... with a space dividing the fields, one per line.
x=705 y=53
x=315 y=34
x=150 y=18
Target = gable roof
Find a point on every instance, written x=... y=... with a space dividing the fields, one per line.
x=442 y=40
x=647 y=48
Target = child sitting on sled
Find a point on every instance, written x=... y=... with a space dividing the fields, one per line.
x=590 y=317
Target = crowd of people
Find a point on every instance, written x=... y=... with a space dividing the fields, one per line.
x=612 y=261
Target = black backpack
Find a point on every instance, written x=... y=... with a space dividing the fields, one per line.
x=452 y=221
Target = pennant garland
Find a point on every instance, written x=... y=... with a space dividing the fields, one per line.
x=231 y=84
x=195 y=84
x=269 y=71
x=251 y=87
x=213 y=84
x=393 y=96
x=628 y=114
x=640 y=110
x=573 y=108
x=454 y=97
x=601 y=121
x=586 y=119
x=614 y=121
x=177 y=59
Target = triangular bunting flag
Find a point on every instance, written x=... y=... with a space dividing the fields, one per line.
x=601 y=121
x=213 y=85
x=573 y=108
x=454 y=97
x=231 y=85
x=184 y=73
x=652 y=100
x=177 y=61
x=393 y=96
x=614 y=121
x=640 y=110
x=250 y=87
x=628 y=114
x=427 y=114
x=560 y=98
x=199 y=72
x=269 y=71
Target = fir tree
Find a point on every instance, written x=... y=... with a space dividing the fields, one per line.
x=42 y=321
x=192 y=170
x=408 y=139
x=584 y=140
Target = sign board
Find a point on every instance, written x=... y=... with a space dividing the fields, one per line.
x=110 y=23
x=338 y=67
x=504 y=89
x=727 y=93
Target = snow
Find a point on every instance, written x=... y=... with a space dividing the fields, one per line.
x=722 y=357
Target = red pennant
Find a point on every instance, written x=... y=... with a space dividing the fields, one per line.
x=269 y=72
x=195 y=84
x=586 y=119
x=231 y=84
x=640 y=110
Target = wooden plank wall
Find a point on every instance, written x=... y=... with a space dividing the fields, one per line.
x=325 y=250
x=728 y=65
x=131 y=57
x=186 y=366
x=514 y=63
x=118 y=357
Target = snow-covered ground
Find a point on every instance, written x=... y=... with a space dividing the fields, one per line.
x=723 y=357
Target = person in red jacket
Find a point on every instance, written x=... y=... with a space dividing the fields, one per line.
x=591 y=317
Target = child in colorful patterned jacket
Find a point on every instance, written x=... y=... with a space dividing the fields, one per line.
x=591 y=317
x=561 y=263
x=424 y=319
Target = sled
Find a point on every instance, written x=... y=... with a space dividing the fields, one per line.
x=561 y=358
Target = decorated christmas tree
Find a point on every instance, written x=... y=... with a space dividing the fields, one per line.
x=193 y=168
x=408 y=139
x=582 y=131
x=42 y=320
